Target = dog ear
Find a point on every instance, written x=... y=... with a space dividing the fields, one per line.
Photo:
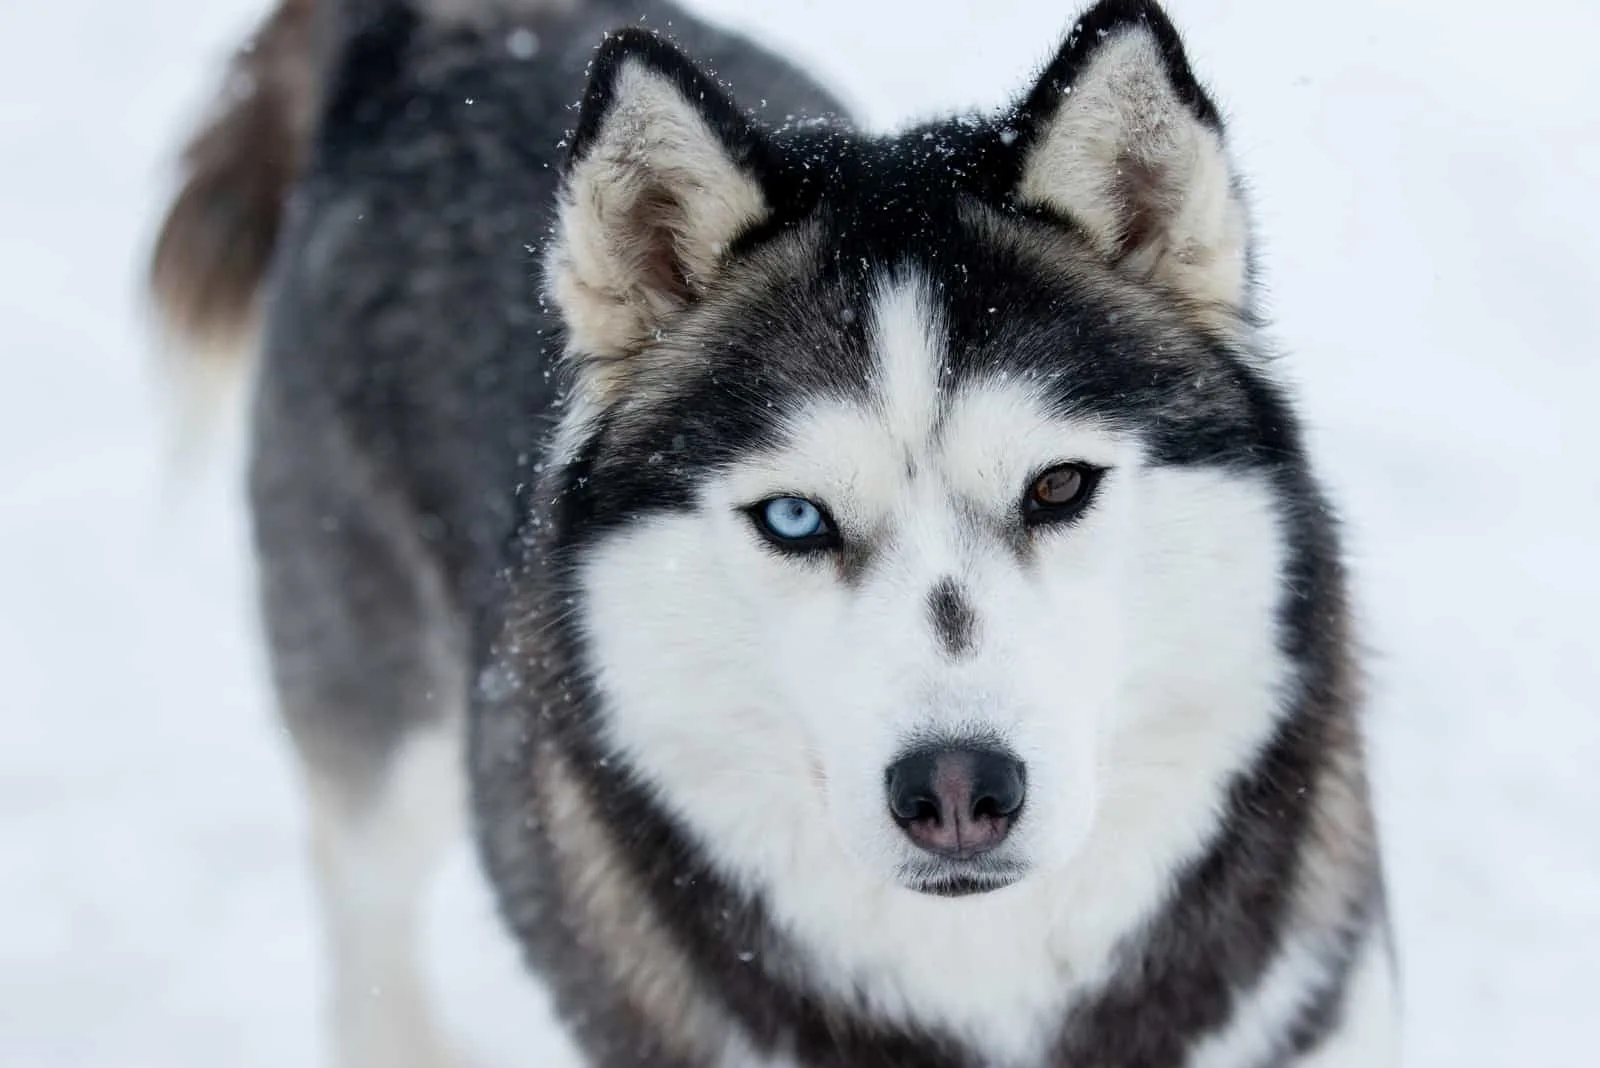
x=660 y=178
x=1118 y=137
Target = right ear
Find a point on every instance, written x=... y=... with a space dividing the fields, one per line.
x=659 y=181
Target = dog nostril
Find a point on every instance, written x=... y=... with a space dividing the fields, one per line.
x=991 y=807
x=998 y=786
x=912 y=798
x=914 y=808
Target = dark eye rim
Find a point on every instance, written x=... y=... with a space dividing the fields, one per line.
x=825 y=540
x=1035 y=514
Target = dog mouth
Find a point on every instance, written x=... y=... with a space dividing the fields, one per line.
x=958 y=879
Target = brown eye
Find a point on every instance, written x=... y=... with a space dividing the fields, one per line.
x=1060 y=493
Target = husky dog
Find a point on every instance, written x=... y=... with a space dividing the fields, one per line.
x=880 y=579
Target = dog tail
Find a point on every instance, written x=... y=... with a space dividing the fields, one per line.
x=216 y=242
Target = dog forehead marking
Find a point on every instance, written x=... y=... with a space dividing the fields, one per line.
x=952 y=617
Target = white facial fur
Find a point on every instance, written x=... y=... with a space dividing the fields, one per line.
x=887 y=682
x=1129 y=659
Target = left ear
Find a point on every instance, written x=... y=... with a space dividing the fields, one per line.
x=1121 y=140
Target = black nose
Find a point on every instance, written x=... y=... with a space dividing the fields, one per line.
x=956 y=802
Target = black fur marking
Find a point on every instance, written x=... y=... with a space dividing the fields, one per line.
x=1221 y=927
x=953 y=618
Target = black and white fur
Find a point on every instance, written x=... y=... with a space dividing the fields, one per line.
x=533 y=512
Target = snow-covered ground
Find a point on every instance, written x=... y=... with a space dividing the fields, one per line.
x=1426 y=172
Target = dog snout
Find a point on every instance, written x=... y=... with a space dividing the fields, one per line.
x=956 y=802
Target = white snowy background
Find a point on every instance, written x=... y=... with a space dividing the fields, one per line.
x=1426 y=173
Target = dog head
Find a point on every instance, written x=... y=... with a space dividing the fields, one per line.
x=916 y=491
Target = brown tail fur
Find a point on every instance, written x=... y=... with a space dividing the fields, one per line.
x=217 y=241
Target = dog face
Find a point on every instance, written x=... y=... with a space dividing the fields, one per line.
x=916 y=502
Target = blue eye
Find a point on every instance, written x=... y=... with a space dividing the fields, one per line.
x=793 y=523
x=792 y=518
